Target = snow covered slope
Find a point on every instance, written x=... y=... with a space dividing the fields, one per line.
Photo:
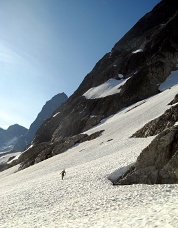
x=112 y=86
x=8 y=157
x=37 y=197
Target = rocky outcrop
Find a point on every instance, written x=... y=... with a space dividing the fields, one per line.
x=157 y=164
x=45 y=150
x=156 y=126
x=174 y=101
x=45 y=113
x=9 y=137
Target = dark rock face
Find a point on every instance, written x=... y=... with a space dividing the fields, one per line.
x=145 y=56
x=45 y=150
x=154 y=127
x=157 y=164
x=45 y=113
x=10 y=136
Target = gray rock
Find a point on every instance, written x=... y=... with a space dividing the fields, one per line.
x=158 y=163
x=44 y=150
x=156 y=126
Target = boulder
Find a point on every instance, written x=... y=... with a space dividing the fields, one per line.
x=157 y=163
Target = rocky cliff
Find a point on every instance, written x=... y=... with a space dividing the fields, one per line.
x=158 y=163
x=44 y=114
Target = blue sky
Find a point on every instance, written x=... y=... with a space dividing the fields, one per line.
x=48 y=46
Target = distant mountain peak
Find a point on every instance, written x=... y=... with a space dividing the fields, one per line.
x=10 y=136
x=46 y=111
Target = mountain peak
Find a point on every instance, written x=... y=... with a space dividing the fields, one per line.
x=47 y=110
x=10 y=136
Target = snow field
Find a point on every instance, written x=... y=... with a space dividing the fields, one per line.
x=37 y=197
x=5 y=157
x=112 y=86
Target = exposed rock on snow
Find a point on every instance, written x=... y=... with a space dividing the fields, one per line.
x=113 y=177
x=44 y=151
x=175 y=100
x=7 y=159
x=157 y=164
x=156 y=126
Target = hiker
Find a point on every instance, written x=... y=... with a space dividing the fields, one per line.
x=63 y=173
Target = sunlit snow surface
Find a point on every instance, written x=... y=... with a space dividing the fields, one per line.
x=112 y=86
x=6 y=156
x=37 y=197
x=137 y=51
